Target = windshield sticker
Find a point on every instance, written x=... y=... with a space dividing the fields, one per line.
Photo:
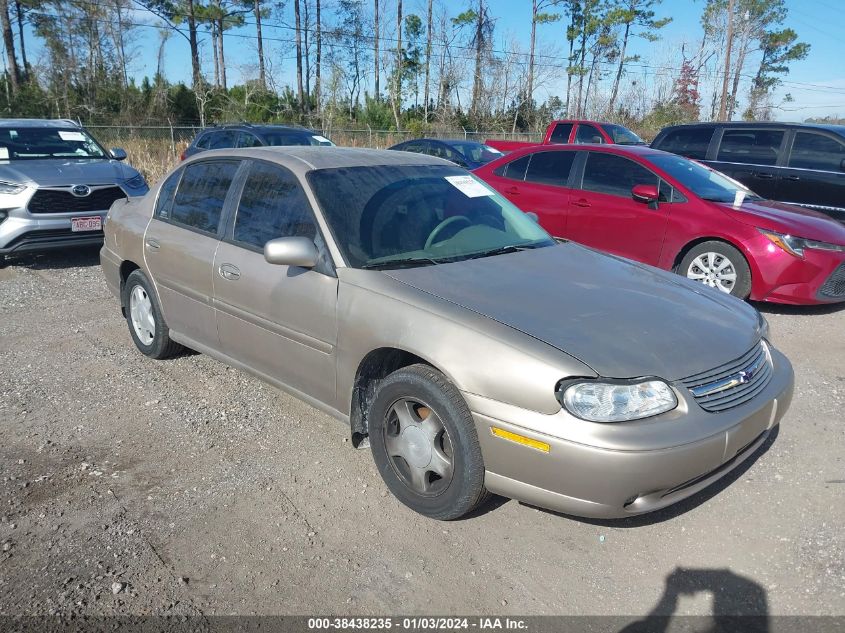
x=71 y=136
x=4 y=153
x=739 y=196
x=320 y=139
x=468 y=186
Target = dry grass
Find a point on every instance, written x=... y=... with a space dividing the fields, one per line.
x=152 y=157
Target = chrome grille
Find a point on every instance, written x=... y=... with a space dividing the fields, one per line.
x=834 y=287
x=734 y=383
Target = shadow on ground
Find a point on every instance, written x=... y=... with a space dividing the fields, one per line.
x=56 y=259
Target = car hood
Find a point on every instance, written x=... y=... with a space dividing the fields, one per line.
x=62 y=172
x=621 y=318
x=789 y=219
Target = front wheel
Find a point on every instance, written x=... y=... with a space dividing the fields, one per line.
x=719 y=266
x=146 y=322
x=424 y=444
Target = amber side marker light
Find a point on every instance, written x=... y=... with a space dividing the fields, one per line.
x=520 y=439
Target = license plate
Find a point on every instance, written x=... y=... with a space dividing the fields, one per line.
x=86 y=224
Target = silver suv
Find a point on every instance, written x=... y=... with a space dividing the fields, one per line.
x=57 y=184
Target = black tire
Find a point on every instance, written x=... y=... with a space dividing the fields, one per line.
x=3 y=261
x=741 y=287
x=465 y=490
x=161 y=346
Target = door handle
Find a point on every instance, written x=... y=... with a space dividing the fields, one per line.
x=581 y=203
x=790 y=177
x=763 y=174
x=514 y=191
x=151 y=244
x=229 y=271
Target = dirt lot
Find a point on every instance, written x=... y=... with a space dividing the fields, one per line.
x=186 y=487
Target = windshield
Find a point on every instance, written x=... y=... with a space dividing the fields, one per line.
x=391 y=216
x=295 y=138
x=622 y=135
x=30 y=143
x=477 y=152
x=704 y=182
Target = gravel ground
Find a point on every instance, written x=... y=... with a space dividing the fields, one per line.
x=131 y=486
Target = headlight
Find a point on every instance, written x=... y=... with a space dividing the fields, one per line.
x=617 y=401
x=10 y=188
x=137 y=182
x=796 y=245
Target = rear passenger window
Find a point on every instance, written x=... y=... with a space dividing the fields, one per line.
x=754 y=147
x=692 y=142
x=272 y=205
x=245 y=139
x=816 y=151
x=560 y=134
x=201 y=194
x=221 y=140
x=550 y=168
x=588 y=134
x=515 y=170
x=164 y=204
x=615 y=175
x=203 y=141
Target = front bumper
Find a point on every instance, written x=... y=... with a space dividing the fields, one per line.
x=779 y=277
x=616 y=476
x=21 y=233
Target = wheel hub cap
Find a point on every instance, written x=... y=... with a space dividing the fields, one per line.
x=141 y=315
x=714 y=270
x=419 y=447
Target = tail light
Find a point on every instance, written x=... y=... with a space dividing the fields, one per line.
x=183 y=156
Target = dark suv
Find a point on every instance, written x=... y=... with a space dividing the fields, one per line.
x=247 y=135
x=800 y=163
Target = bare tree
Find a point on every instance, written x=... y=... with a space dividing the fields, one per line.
x=428 y=58
x=9 y=42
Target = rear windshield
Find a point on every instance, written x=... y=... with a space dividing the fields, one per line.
x=477 y=152
x=294 y=138
x=36 y=143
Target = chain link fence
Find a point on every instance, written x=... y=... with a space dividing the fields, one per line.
x=155 y=149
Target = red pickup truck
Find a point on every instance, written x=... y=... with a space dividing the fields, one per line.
x=575 y=131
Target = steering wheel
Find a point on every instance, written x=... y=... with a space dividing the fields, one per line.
x=439 y=228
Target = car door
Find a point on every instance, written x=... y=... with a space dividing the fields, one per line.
x=750 y=155
x=279 y=321
x=602 y=213
x=180 y=242
x=814 y=175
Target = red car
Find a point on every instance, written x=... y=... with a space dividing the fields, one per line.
x=574 y=131
x=676 y=214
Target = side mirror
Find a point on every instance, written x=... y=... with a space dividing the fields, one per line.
x=291 y=251
x=533 y=216
x=645 y=193
x=118 y=153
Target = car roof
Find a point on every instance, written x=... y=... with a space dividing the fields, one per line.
x=839 y=129
x=268 y=127
x=38 y=123
x=301 y=158
x=611 y=148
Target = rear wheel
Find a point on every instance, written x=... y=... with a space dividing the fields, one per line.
x=719 y=266
x=424 y=444
x=146 y=323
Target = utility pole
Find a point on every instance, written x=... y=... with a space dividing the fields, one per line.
x=723 y=104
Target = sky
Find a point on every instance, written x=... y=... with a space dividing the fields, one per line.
x=816 y=84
